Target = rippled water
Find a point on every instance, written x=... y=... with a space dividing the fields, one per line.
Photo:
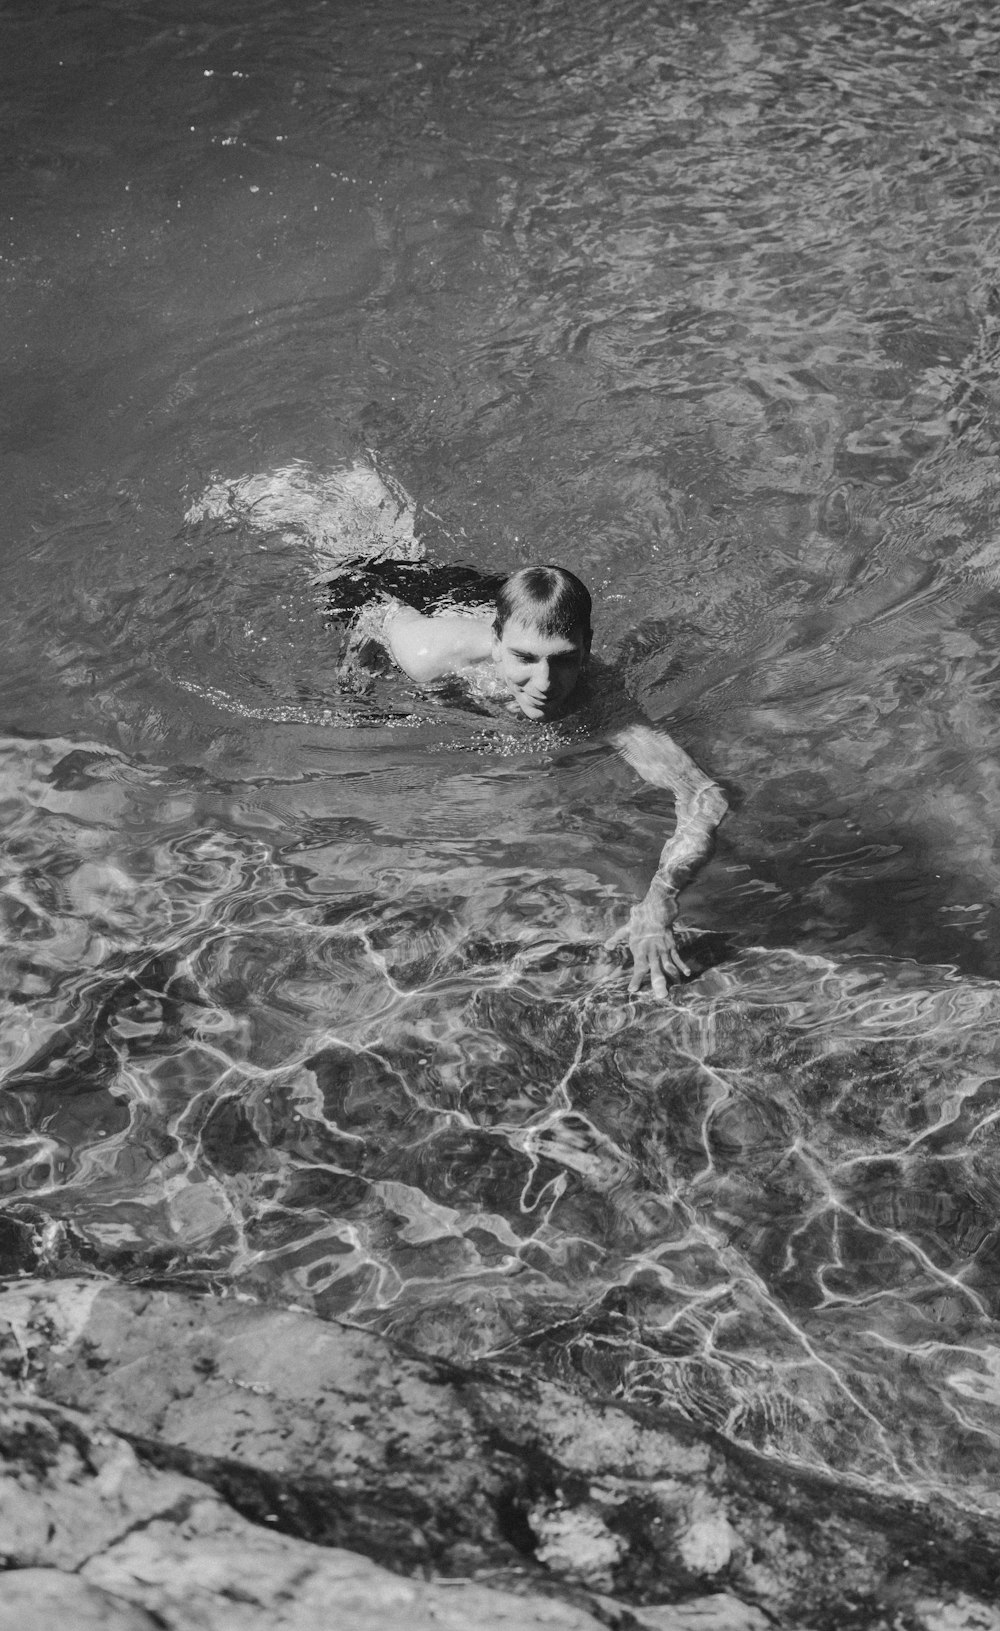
x=302 y=988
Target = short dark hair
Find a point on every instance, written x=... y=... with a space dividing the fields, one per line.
x=550 y=598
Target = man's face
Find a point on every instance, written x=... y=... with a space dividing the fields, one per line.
x=541 y=669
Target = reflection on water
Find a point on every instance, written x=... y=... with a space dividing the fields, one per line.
x=302 y=996
x=393 y=1079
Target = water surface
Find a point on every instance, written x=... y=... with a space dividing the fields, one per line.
x=302 y=989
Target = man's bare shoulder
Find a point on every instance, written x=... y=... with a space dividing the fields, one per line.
x=429 y=647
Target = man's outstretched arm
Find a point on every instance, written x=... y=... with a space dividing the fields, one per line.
x=700 y=806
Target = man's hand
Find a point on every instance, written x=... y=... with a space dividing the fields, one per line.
x=651 y=942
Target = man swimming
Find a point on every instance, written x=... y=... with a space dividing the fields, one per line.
x=537 y=649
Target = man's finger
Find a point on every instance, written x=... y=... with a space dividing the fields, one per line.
x=640 y=966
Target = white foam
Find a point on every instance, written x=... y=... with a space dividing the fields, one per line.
x=339 y=513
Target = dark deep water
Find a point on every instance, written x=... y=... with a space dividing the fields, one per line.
x=696 y=298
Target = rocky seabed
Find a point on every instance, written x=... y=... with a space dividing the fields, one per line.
x=203 y=1463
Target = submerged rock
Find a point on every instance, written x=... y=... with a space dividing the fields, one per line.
x=718 y=1612
x=91 y=1538
x=39 y=1599
x=223 y=1573
x=325 y=1437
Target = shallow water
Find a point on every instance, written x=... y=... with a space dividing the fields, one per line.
x=302 y=987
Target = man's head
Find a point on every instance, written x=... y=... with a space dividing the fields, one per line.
x=541 y=637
